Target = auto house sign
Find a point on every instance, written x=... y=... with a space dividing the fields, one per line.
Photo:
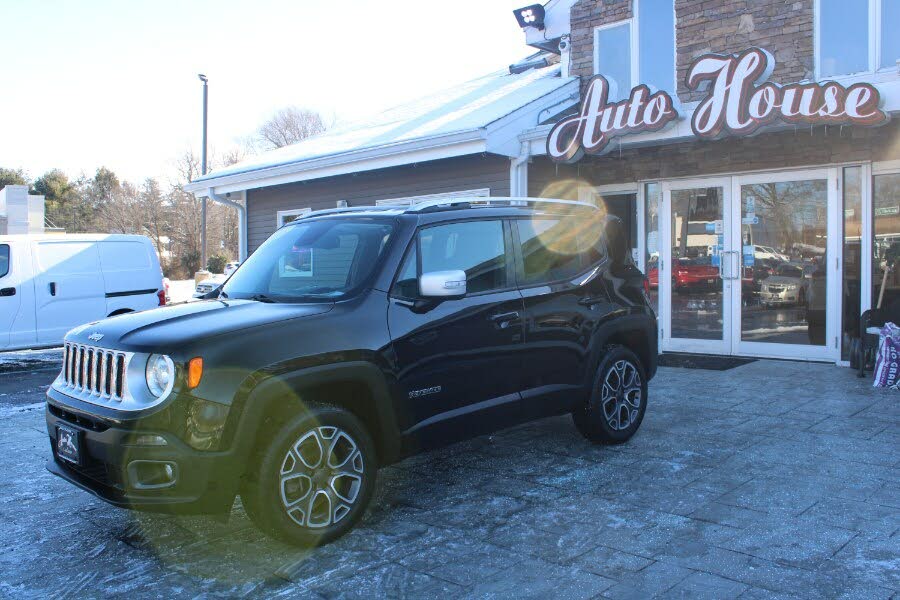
x=738 y=100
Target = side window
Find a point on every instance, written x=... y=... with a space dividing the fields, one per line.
x=407 y=285
x=4 y=260
x=555 y=249
x=476 y=247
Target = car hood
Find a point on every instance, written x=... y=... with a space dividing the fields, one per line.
x=165 y=328
x=782 y=280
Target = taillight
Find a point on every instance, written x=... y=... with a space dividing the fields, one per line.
x=161 y=294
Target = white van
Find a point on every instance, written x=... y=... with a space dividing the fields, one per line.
x=52 y=283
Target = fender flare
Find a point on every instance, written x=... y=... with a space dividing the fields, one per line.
x=261 y=399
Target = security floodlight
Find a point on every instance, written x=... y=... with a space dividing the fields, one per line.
x=202 y=77
x=530 y=16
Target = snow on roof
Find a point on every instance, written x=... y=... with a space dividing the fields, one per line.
x=467 y=107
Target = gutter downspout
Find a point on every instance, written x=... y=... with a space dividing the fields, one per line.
x=242 y=221
x=518 y=172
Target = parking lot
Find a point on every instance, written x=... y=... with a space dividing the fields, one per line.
x=773 y=479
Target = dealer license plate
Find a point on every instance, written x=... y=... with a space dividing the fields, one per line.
x=710 y=281
x=67 y=444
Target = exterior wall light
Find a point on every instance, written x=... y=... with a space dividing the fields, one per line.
x=530 y=16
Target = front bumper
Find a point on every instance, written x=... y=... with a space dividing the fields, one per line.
x=782 y=297
x=204 y=482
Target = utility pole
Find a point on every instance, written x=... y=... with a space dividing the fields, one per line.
x=204 y=79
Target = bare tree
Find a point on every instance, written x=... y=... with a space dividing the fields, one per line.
x=289 y=126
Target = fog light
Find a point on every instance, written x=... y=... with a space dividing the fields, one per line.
x=150 y=440
x=152 y=474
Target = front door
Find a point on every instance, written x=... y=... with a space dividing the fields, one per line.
x=787 y=243
x=749 y=265
x=694 y=281
x=458 y=357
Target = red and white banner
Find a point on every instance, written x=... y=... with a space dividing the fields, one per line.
x=738 y=101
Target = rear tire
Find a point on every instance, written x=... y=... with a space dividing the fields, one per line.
x=618 y=399
x=313 y=481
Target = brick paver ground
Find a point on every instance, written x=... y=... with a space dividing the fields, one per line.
x=775 y=479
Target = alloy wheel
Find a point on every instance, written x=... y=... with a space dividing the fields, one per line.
x=321 y=477
x=620 y=395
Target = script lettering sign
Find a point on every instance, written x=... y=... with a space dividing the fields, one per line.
x=598 y=122
x=738 y=101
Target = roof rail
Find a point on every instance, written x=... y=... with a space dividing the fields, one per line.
x=345 y=209
x=491 y=201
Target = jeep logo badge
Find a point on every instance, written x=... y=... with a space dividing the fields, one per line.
x=95 y=337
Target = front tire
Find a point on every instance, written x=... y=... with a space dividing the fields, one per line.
x=312 y=483
x=618 y=399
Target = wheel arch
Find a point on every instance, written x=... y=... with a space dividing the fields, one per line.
x=638 y=333
x=358 y=387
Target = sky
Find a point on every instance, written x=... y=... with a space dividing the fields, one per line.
x=113 y=83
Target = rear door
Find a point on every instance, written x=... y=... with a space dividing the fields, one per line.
x=560 y=264
x=131 y=274
x=458 y=361
x=10 y=299
x=69 y=288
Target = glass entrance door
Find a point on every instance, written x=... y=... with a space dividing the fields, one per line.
x=692 y=270
x=750 y=265
x=789 y=264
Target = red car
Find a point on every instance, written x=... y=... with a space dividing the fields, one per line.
x=690 y=273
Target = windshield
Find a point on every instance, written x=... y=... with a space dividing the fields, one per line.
x=315 y=260
x=790 y=271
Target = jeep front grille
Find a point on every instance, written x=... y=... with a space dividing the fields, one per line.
x=92 y=371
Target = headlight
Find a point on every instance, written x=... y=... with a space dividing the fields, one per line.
x=160 y=375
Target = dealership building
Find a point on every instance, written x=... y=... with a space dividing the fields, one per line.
x=749 y=148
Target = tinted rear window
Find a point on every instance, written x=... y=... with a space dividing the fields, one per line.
x=554 y=249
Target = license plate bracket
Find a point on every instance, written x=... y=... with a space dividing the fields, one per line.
x=68 y=444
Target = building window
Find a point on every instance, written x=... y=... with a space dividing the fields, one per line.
x=408 y=200
x=283 y=217
x=854 y=37
x=638 y=50
x=886 y=221
x=656 y=32
x=613 y=58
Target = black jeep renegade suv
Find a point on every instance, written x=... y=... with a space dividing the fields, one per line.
x=350 y=339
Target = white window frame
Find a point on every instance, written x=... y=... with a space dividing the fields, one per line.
x=874 y=43
x=634 y=36
x=281 y=214
x=409 y=200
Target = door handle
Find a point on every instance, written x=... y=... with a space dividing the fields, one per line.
x=503 y=319
x=591 y=300
x=52 y=287
x=8 y=291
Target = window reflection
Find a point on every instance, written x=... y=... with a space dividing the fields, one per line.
x=651 y=245
x=783 y=262
x=886 y=205
x=697 y=287
x=850 y=285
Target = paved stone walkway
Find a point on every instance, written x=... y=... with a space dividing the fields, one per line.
x=774 y=479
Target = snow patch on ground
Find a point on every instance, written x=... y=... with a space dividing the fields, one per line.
x=8 y=411
x=24 y=360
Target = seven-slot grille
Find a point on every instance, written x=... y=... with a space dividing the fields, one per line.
x=94 y=371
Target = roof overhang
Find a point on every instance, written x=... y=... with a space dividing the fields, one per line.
x=498 y=137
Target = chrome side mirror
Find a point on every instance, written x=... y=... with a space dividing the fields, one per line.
x=443 y=284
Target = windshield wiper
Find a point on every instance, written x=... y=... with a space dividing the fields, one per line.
x=262 y=298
